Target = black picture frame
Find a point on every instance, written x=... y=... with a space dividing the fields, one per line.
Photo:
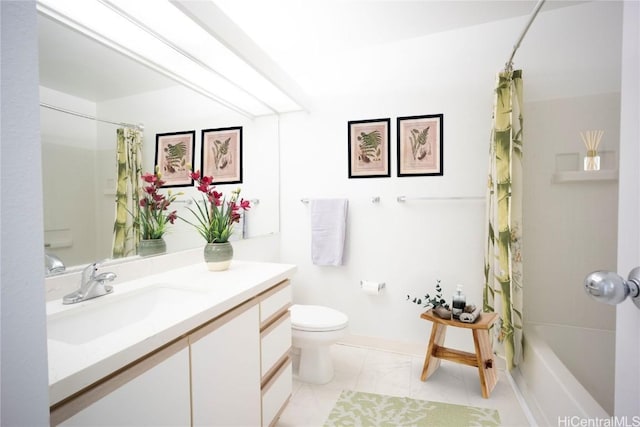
x=221 y=154
x=174 y=157
x=369 y=148
x=420 y=145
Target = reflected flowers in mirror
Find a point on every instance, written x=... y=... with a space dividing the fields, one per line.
x=154 y=207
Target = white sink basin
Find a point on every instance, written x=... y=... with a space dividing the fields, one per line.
x=111 y=314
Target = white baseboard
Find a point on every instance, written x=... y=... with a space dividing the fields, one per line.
x=401 y=347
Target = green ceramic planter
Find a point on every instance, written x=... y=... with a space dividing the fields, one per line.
x=147 y=247
x=218 y=256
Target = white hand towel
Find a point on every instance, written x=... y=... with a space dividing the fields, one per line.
x=328 y=230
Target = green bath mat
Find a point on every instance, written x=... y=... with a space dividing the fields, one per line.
x=355 y=408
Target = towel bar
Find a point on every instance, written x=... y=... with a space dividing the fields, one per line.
x=374 y=199
x=402 y=199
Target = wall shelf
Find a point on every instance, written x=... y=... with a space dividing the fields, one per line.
x=583 y=176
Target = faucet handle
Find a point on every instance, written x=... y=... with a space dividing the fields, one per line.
x=101 y=261
x=90 y=271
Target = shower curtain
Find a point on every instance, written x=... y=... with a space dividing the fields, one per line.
x=126 y=231
x=503 y=257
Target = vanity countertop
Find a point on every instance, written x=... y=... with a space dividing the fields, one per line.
x=150 y=312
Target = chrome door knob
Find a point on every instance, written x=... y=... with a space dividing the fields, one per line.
x=610 y=288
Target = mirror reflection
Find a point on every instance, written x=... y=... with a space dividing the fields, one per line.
x=87 y=92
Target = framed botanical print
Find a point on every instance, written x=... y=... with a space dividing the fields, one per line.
x=369 y=148
x=222 y=154
x=420 y=145
x=174 y=157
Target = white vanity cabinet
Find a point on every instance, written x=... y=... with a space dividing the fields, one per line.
x=275 y=347
x=240 y=363
x=153 y=392
x=231 y=370
x=225 y=369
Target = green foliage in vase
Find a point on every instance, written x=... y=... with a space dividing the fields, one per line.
x=215 y=215
x=431 y=302
x=153 y=215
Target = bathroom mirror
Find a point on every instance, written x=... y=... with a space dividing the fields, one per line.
x=79 y=74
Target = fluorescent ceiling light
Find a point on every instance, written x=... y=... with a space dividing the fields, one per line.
x=159 y=35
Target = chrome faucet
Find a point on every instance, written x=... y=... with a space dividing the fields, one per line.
x=92 y=285
x=53 y=264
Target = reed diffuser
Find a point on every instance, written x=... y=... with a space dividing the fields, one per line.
x=591 y=139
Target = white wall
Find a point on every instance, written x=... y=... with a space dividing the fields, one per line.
x=23 y=353
x=410 y=245
x=69 y=162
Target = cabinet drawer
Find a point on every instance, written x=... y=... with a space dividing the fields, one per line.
x=276 y=343
x=153 y=391
x=276 y=393
x=274 y=302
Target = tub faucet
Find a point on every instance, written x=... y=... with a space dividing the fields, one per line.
x=91 y=285
x=53 y=264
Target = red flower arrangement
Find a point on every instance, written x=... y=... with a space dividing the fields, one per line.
x=154 y=206
x=216 y=217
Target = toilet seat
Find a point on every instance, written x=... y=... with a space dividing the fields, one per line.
x=316 y=318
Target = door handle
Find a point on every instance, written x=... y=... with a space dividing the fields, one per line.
x=610 y=288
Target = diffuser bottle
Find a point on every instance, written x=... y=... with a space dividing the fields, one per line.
x=592 y=161
x=591 y=141
x=459 y=302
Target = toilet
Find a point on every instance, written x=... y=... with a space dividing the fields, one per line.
x=313 y=329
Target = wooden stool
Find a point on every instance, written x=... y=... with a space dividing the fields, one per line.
x=482 y=359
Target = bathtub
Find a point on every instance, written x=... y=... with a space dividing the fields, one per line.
x=549 y=388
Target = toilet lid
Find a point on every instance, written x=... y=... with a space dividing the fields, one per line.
x=317 y=318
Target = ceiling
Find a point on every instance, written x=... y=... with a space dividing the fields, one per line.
x=296 y=34
x=281 y=26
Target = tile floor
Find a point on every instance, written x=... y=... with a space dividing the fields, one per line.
x=376 y=371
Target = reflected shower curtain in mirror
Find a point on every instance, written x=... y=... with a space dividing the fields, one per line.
x=503 y=257
x=126 y=231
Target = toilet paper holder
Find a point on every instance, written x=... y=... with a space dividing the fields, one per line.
x=367 y=284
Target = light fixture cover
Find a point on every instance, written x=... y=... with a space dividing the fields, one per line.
x=159 y=35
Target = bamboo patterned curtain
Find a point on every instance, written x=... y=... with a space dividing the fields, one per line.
x=503 y=257
x=126 y=231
